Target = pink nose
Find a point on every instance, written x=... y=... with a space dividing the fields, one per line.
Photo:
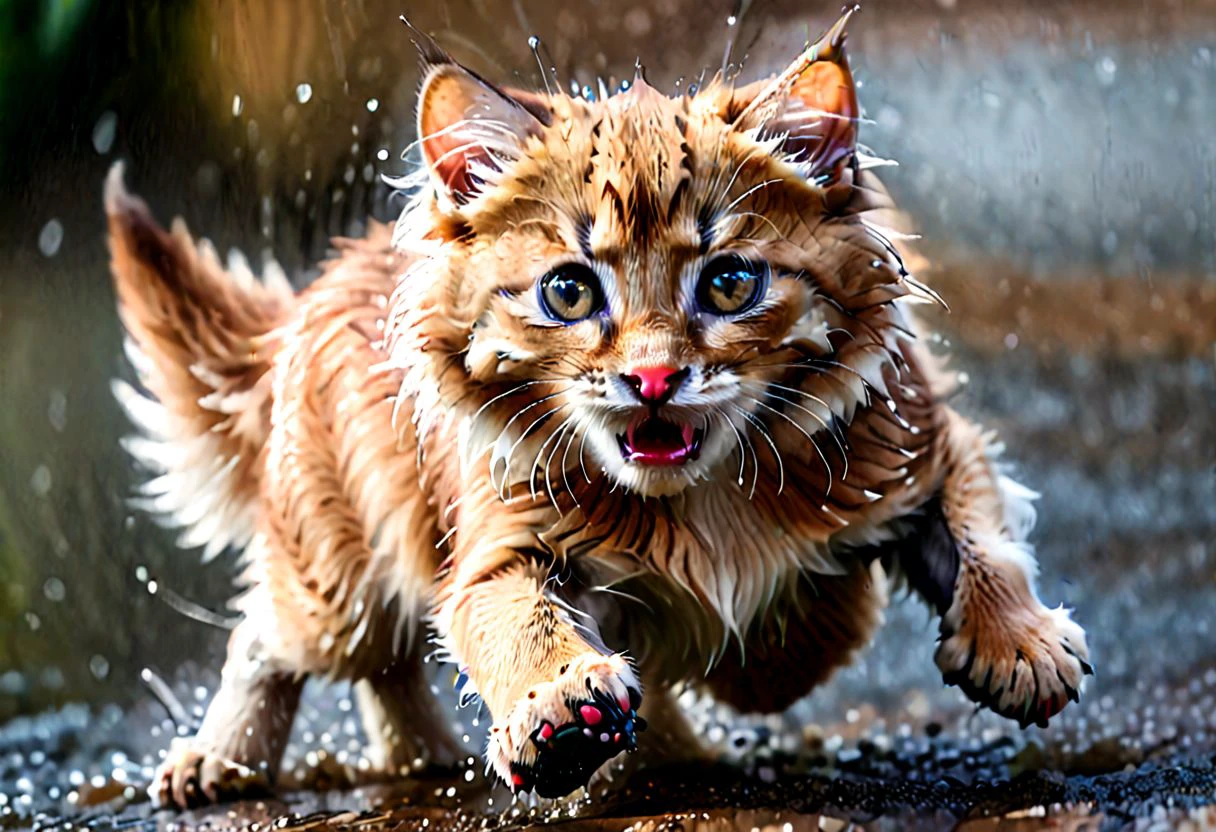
x=655 y=385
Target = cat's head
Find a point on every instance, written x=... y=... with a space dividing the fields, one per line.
x=660 y=289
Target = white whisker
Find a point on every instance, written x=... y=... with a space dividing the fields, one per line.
x=826 y=467
x=748 y=193
x=524 y=435
x=769 y=439
x=565 y=468
x=827 y=428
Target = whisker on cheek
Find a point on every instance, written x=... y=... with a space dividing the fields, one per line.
x=555 y=434
x=826 y=467
x=565 y=468
x=742 y=453
x=841 y=445
x=538 y=420
x=769 y=439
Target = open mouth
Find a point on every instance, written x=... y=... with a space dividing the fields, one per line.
x=650 y=440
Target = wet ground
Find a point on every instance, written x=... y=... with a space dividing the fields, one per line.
x=1050 y=155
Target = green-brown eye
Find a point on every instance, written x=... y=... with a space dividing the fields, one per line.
x=571 y=293
x=731 y=284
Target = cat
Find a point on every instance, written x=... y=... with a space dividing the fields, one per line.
x=632 y=395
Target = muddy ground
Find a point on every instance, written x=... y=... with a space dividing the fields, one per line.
x=1057 y=158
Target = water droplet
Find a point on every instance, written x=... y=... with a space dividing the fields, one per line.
x=304 y=93
x=57 y=410
x=50 y=238
x=373 y=104
x=41 y=481
x=99 y=667
x=12 y=683
x=54 y=590
x=237 y=105
x=103 y=132
x=382 y=154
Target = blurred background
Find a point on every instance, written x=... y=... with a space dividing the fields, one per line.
x=1057 y=157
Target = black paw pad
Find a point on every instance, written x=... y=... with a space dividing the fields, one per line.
x=569 y=754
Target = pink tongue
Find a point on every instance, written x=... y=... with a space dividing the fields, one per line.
x=654 y=440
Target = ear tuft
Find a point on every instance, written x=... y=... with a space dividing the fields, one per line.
x=469 y=130
x=812 y=106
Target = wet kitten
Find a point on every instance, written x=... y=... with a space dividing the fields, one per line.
x=632 y=393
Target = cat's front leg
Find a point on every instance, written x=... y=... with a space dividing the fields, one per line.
x=999 y=642
x=562 y=703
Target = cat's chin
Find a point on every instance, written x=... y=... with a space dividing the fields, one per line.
x=654 y=482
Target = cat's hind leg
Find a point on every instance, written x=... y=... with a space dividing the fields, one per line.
x=405 y=723
x=238 y=747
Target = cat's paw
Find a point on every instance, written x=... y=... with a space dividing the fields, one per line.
x=1025 y=664
x=556 y=736
x=191 y=777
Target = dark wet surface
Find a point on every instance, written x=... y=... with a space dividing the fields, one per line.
x=1052 y=158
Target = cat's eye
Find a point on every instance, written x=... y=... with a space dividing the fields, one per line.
x=571 y=293
x=731 y=284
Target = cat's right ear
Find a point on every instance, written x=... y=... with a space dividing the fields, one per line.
x=470 y=130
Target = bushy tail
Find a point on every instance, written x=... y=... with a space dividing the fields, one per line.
x=201 y=339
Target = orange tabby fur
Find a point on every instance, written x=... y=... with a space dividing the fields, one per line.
x=410 y=441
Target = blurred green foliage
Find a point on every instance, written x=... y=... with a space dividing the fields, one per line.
x=35 y=37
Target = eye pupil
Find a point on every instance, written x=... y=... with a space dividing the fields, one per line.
x=571 y=293
x=730 y=285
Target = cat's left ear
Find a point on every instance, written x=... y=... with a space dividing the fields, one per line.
x=812 y=105
x=471 y=130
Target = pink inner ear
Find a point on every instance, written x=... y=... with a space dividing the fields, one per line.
x=465 y=125
x=450 y=164
x=448 y=151
x=827 y=87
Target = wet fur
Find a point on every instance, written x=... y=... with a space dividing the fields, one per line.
x=408 y=441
